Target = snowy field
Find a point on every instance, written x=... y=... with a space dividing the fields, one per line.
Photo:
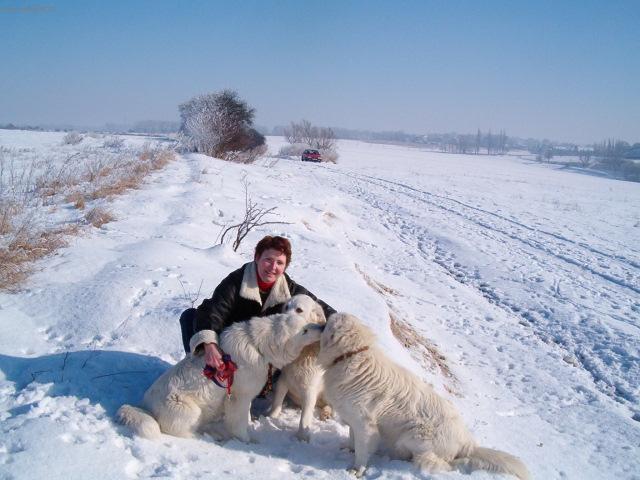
x=523 y=279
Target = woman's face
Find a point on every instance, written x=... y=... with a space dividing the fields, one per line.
x=271 y=264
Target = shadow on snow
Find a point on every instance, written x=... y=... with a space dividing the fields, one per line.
x=106 y=378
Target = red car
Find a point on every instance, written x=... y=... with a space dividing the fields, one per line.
x=310 y=155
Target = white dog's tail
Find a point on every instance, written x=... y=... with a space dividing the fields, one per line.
x=480 y=458
x=139 y=420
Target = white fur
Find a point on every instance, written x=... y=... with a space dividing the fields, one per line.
x=302 y=380
x=386 y=405
x=182 y=401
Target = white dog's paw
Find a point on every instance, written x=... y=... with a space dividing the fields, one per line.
x=303 y=435
x=326 y=413
x=242 y=436
x=275 y=412
x=357 y=471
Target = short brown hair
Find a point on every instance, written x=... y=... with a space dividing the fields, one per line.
x=276 y=243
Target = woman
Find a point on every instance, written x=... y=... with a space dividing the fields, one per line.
x=258 y=288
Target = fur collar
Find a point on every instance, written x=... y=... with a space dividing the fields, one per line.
x=249 y=288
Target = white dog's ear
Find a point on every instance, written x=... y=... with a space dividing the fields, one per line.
x=318 y=314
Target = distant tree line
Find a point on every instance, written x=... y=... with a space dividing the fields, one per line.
x=478 y=143
x=155 y=126
x=11 y=126
x=619 y=157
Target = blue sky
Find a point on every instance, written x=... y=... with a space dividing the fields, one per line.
x=564 y=70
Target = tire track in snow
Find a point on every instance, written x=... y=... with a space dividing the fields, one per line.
x=584 y=332
x=514 y=230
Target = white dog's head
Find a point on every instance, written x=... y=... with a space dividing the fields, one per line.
x=306 y=307
x=300 y=325
x=343 y=333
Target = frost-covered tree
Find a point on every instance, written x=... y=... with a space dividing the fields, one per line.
x=218 y=124
x=321 y=138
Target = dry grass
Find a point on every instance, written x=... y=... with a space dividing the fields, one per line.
x=98 y=216
x=55 y=179
x=17 y=259
x=157 y=158
x=95 y=169
x=329 y=217
x=377 y=286
x=79 y=178
x=424 y=351
x=8 y=211
x=72 y=138
x=129 y=175
x=118 y=187
x=77 y=199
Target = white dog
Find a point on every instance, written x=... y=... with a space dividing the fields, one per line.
x=383 y=402
x=302 y=380
x=183 y=401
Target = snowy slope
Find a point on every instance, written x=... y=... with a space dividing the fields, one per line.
x=524 y=278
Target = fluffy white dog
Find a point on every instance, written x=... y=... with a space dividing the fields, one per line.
x=385 y=403
x=302 y=380
x=183 y=401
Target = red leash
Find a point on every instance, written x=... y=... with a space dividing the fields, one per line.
x=223 y=376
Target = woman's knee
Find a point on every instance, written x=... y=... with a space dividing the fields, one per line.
x=187 y=320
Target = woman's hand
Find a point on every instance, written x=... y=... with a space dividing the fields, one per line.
x=212 y=355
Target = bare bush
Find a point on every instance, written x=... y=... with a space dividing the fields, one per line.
x=17 y=182
x=247 y=156
x=325 y=139
x=584 y=157
x=113 y=143
x=191 y=298
x=56 y=177
x=98 y=216
x=72 y=138
x=319 y=138
x=95 y=168
x=293 y=134
x=329 y=156
x=254 y=216
x=293 y=150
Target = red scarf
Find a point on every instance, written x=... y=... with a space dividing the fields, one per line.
x=264 y=286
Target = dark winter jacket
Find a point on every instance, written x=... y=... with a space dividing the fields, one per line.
x=237 y=298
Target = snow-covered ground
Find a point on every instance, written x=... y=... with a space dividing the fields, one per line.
x=524 y=277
